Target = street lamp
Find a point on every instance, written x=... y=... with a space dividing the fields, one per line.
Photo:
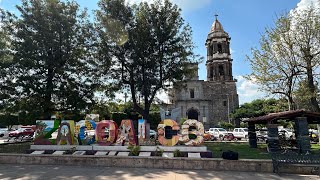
x=228 y=105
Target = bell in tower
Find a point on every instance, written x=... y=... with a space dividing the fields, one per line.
x=219 y=62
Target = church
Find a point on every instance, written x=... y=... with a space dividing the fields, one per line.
x=210 y=101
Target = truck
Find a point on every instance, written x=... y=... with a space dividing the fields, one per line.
x=217 y=133
x=240 y=133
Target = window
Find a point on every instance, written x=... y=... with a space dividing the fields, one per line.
x=219 y=48
x=224 y=103
x=191 y=93
x=221 y=70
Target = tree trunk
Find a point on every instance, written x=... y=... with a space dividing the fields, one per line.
x=312 y=88
x=47 y=104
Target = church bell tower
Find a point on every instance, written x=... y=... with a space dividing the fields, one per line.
x=219 y=62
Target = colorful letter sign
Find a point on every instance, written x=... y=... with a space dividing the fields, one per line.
x=106 y=132
x=126 y=133
x=44 y=129
x=171 y=128
x=85 y=131
x=66 y=133
x=199 y=131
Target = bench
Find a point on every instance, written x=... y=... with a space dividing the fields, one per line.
x=296 y=159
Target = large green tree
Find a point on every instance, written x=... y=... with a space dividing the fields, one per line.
x=5 y=61
x=54 y=66
x=150 y=44
x=259 y=107
x=288 y=54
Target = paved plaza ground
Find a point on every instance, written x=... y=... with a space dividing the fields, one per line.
x=46 y=172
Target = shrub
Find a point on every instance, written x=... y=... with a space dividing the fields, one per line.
x=134 y=150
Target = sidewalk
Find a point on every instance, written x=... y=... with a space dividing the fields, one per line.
x=39 y=172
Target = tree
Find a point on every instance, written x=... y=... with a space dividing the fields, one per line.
x=306 y=33
x=150 y=45
x=5 y=60
x=274 y=65
x=54 y=63
x=289 y=53
x=259 y=107
x=302 y=95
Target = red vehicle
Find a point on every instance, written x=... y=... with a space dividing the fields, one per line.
x=22 y=132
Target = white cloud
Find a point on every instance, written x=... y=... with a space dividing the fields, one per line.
x=185 y=5
x=248 y=90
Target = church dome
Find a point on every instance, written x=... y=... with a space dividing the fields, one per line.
x=216 y=27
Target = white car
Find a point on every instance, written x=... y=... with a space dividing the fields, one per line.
x=4 y=132
x=240 y=133
x=217 y=132
x=287 y=132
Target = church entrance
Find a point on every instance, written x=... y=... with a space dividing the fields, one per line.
x=193 y=114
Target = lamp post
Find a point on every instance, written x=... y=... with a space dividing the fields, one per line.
x=228 y=105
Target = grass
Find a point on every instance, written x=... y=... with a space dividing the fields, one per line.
x=245 y=152
x=315 y=148
x=20 y=148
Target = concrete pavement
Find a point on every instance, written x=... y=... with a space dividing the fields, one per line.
x=39 y=172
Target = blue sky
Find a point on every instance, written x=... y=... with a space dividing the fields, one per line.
x=244 y=20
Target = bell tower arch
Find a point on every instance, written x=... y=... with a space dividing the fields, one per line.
x=219 y=62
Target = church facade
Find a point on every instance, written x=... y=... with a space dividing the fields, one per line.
x=212 y=100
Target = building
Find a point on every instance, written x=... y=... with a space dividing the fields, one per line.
x=211 y=100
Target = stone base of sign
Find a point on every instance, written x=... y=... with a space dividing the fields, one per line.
x=58 y=153
x=145 y=154
x=194 y=155
x=123 y=154
x=101 y=153
x=167 y=155
x=37 y=152
x=112 y=153
x=119 y=148
x=79 y=153
x=212 y=164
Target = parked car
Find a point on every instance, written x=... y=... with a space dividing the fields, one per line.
x=288 y=133
x=22 y=132
x=3 y=132
x=217 y=132
x=240 y=133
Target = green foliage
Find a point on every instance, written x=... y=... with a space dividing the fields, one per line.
x=225 y=125
x=118 y=116
x=182 y=120
x=55 y=63
x=303 y=95
x=154 y=119
x=158 y=151
x=244 y=125
x=150 y=45
x=259 y=107
x=177 y=153
x=8 y=120
x=289 y=54
x=134 y=150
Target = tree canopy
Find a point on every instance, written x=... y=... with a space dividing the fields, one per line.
x=150 y=45
x=54 y=65
x=259 y=107
x=289 y=53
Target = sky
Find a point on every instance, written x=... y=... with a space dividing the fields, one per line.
x=244 y=20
